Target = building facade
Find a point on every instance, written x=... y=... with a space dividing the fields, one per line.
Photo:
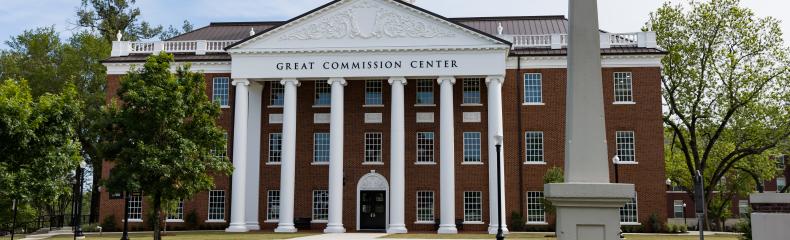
x=380 y=115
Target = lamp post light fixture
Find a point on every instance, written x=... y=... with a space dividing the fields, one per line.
x=499 y=138
x=78 y=210
x=668 y=182
x=616 y=162
x=684 y=215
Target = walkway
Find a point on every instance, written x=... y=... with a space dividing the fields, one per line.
x=343 y=236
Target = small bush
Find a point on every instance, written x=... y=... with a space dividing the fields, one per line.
x=191 y=220
x=654 y=223
x=633 y=229
x=90 y=227
x=516 y=222
x=676 y=228
x=108 y=224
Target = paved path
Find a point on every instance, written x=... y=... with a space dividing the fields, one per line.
x=343 y=236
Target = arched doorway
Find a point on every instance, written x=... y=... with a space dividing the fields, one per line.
x=373 y=202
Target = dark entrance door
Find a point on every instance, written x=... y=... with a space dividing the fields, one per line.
x=372 y=210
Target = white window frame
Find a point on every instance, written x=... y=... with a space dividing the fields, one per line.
x=136 y=207
x=533 y=84
x=425 y=207
x=536 y=212
x=323 y=93
x=783 y=182
x=178 y=215
x=472 y=86
x=374 y=148
x=272 y=205
x=678 y=205
x=221 y=153
x=321 y=145
x=743 y=208
x=216 y=205
x=275 y=148
x=276 y=89
x=781 y=162
x=534 y=148
x=374 y=93
x=425 y=86
x=473 y=207
x=320 y=205
x=626 y=150
x=630 y=212
x=473 y=147
x=221 y=91
x=425 y=150
x=623 y=87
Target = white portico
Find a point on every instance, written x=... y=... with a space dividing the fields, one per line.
x=341 y=42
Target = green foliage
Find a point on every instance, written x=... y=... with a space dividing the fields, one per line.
x=516 y=221
x=91 y=227
x=108 y=224
x=726 y=82
x=191 y=220
x=744 y=226
x=654 y=223
x=108 y=17
x=676 y=228
x=40 y=148
x=553 y=175
x=171 y=31
x=165 y=134
x=632 y=228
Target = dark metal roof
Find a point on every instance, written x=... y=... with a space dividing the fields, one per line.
x=604 y=51
x=179 y=57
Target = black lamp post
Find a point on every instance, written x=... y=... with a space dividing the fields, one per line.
x=125 y=235
x=684 y=215
x=499 y=234
x=616 y=163
x=78 y=209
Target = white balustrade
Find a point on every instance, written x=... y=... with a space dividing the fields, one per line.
x=559 y=41
x=199 y=47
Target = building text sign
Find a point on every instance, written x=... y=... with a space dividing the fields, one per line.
x=364 y=65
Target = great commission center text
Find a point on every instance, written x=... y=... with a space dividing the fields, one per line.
x=417 y=64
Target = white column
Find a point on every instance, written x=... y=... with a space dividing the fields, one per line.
x=336 y=144
x=253 y=156
x=237 y=206
x=446 y=157
x=288 y=165
x=495 y=127
x=397 y=158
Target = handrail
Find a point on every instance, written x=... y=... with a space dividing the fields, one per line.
x=608 y=40
x=199 y=47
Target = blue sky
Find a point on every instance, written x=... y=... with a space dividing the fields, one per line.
x=615 y=15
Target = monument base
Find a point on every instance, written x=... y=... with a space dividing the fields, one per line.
x=588 y=211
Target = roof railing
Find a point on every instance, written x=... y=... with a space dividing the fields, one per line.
x=608 y=40
x=199 y=47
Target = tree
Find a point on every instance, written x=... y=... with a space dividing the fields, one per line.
x=172 y=32
x=725 y=85
x=166 y=134
x=40 y=149
x=553 y=175
x=35 y=55
x=108 y=17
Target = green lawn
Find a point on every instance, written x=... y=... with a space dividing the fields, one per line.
x=17 y=236
x=197 y=236
x=541 y=236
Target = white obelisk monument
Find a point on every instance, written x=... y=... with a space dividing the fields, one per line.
x=587 y=204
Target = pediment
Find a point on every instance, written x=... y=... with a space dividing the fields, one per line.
x=367 y=24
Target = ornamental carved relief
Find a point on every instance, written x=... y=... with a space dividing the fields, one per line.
x=372 y=181
x=367 y=20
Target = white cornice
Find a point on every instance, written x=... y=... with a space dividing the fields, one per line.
x=607 y=61
x=375 y=49
x=205 y=67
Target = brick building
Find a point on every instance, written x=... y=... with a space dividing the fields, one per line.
x=380 y=115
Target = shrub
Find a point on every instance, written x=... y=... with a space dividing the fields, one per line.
x=516 y=222
x=90 y=227
x=632 y=229
x=108 y=224
x=745 y=226
x=191 y=220
x=654 y=223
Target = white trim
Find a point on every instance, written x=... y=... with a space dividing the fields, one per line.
x=537 y=223
x=474 y=223
x=319 y=163
x=273 y=163
x=472 y=163
x=472 y=105
x=322 y=106
x=632 y=223
x=373 y=106
x=535 y=163
x=175 y=220
x=627 y=163
x=371 y=178
x=425 y=222
x=624 y=103
x=215 y=221
x=425 y=105
x=133 y=220
x=607 y=61
x=424 y=163
x=274 y=106
x=205 y=67
x=372 y=163
x=319 y=221
x=272 y=221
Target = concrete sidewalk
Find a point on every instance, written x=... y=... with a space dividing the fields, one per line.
x=344 y=236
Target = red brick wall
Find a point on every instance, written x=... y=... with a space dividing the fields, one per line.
x=644 y=118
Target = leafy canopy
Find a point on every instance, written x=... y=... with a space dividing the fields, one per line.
x=108 y=17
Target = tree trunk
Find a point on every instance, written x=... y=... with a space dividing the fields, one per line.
x=95 y=198
x=157 y=209
x=13 y=225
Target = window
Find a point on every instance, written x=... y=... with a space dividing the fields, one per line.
x=320 y=205
x=321 y=147
x=273 y=205
x=275 y=147
x=781 y=161
x=221 y=91
x=743 y=208
x=535 y=210
x=178 y=214
x=628 y=213
x=374 y=95
x=472 y=147
x=425 y=206
x=278 y=94
x=425 y=91
x=534 y=147
x=373 y=148
x=780 y=184
x=622 y=87
x=323 y=93
x=136 y=207
x=221 y=153
x=678 y=208
x=626 y=146
x=471 y=90
x=533 y=88
x=425 y=147
x=473 y=206
x=216 y=205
